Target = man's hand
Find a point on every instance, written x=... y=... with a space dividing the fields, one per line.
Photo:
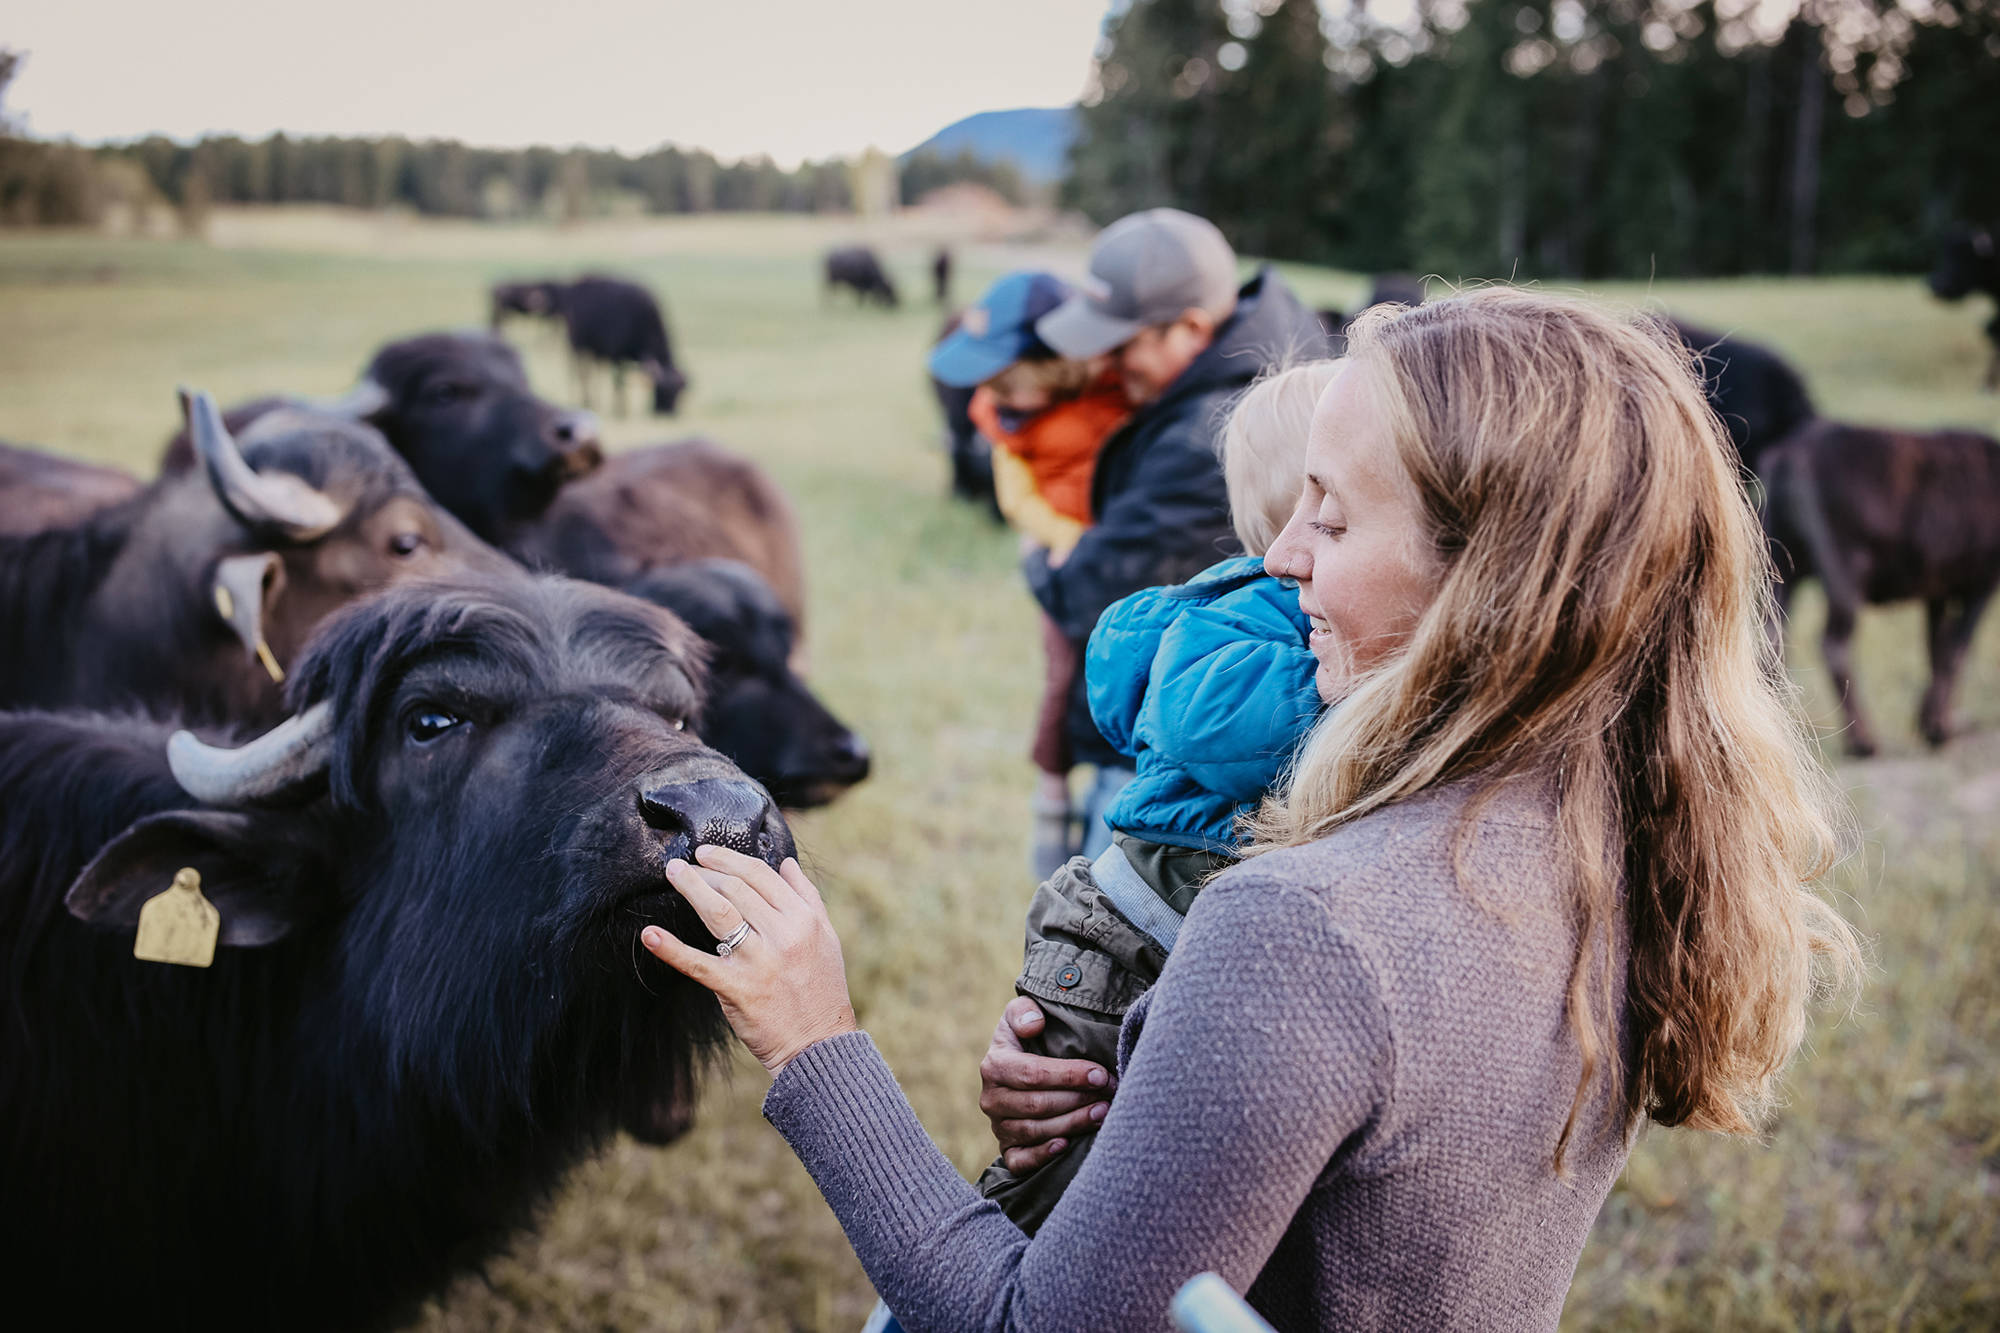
x=1037 y=1104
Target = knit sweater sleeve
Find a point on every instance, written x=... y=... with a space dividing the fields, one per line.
x=1265 y=1047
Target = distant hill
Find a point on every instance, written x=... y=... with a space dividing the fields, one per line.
x=1035 y=139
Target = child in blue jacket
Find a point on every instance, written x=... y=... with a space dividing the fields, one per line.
x=1208 y=686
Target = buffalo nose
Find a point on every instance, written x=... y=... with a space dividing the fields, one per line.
x=574 y=438
x=729 y=812
x=849 y=754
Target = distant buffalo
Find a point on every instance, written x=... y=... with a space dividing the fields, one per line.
x=1888 y=516
x=39 y=490
x=458 y=407
x=619 y=323
x=428 y=1001
x=858 y=268
x=540 y=299
x=1759 y=397
x=758 y=712
x=667 y=504
x=193 y=595
x=1968 y=261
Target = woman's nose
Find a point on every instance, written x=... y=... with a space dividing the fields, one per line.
x=1288 y=557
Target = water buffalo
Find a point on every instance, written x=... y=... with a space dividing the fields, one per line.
x=758 y=712
x=458 y=407
x=666 y=504
x=39 y=490
x=541 y=299
x=191 y=595
x=1968 y=261
x=619 y=323
x=1386 y=289
x=1759 y=397
x=858 y=267
x=428 y=1001
x=1888 y=516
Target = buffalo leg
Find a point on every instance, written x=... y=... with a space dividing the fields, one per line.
x=1951 y=631
x=1838 y=646
x=582 y=372
x=618 y=387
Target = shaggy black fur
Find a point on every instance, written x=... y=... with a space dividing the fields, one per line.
x=450 y=1007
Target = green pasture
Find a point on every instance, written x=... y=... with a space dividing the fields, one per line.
x=1874 y=1201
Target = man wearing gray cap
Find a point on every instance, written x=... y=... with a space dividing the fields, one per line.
x=1162 y=300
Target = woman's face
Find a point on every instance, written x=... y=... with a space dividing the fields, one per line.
x=1355 y=540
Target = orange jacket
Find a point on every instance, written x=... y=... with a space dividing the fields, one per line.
x=1059 y=446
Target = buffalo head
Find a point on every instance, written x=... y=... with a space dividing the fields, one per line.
x=458 y=407
x=759 y=712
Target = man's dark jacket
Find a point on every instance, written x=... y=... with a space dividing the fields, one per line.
x=1160 y=512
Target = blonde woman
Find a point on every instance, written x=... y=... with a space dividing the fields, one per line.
x=1543 y=874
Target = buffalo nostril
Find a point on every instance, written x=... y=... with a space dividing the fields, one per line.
x=851 y=753
x=727 y=812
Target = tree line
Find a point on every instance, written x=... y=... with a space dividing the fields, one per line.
x=45 y=183
x=1557 y=138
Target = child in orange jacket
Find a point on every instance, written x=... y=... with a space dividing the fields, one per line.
x=1046 y=419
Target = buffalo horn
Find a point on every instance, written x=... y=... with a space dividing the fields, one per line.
x=359 y=403
x=286 y=755
x=275 y=503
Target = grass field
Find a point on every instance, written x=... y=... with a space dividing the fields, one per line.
x=1874 y=1201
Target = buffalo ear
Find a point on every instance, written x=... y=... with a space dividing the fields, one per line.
x=251 y=872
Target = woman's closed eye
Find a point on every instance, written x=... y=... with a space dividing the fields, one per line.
x=1328 y=529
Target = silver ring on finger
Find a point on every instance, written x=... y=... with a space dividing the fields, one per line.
x=733 y=941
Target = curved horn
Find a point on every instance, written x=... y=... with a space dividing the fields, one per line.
x=359 y=403
x=277 y=502
x=286 y=755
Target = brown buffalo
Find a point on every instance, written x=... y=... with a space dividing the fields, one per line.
x=1888 y=516
x=667 y=504
x=193 y=595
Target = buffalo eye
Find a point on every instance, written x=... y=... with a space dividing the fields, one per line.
x=452 y=391
x=427 y=724
x=406 y=543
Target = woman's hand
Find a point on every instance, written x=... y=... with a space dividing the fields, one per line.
x=1037 y=1104
x=784 y=987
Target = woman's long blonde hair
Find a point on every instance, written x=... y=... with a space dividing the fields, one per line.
x=1602 y=597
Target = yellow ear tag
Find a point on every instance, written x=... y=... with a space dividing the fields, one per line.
x=179 y=926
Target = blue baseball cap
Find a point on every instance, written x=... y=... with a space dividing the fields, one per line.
x=998 y=329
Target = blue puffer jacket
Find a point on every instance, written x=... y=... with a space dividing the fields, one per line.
x=1208 y=686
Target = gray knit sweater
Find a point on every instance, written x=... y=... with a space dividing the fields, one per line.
x=1343 y=1095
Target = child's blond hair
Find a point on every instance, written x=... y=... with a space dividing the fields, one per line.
x=1264 y=450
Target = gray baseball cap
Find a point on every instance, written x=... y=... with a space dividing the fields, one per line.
x=1146 y=268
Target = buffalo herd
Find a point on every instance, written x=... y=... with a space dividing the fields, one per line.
x=425 y=692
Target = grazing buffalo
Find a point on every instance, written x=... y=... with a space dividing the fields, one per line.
x=536 y=300
x=941 y=276
x=1888 y=516
x=1968 y=261
x=428 y=1001
x=192 y=595
x=458 y=407
x=666 y=504
x=759 y=713
x=859 y=268
x=619 y=323
x=1759 y=397
x=39 y=490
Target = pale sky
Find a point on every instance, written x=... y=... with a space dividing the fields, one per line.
x=792 y=78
